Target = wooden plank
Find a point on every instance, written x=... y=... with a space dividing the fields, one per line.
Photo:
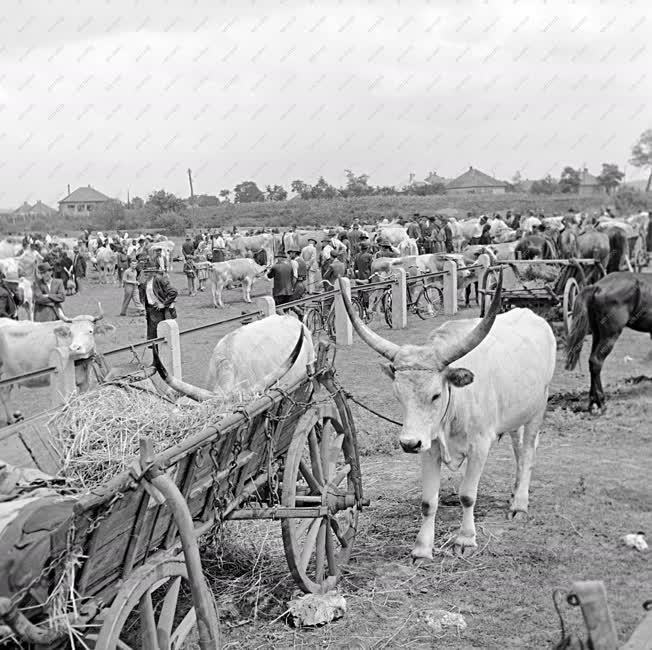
x=27 y=444
x=642 y=637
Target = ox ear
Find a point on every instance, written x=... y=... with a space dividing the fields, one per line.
x=388 y=369
x=62 y=331
x=459 y=377
x=104 y=328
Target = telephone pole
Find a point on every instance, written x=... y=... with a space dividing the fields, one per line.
x=192 y=196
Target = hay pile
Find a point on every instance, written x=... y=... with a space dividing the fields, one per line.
x=97 y=433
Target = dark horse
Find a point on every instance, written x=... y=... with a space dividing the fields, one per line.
x=617 y=301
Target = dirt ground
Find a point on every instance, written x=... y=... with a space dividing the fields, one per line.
x=590 y=487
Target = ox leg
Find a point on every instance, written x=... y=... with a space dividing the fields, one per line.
x=476 y=458
x=430 y=478
x=599 y=352
x=517 y=442
x=246 y=289
x=525 y=465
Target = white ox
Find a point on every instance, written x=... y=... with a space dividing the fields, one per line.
x=452 y=413
x=408 y=247
x=252 y=358
x=247 y=246
x=106 y=260
x=9 y=248
x=26 y=346
x=393 y=234
x=223 y=274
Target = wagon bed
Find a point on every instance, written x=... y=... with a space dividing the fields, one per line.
x=289 y=455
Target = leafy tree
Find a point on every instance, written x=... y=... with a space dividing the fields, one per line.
x=610 y=177
x=516 y=178
x=322 y=189
x=642 y=154
x=547 y=185
x=356 y=185
x=206 y=200
x=426 y=189
x=385 y=190
x=301 y=189
x=275 y=193
x=569 y=181
x=162 y=201
x=224 y=194
x=247 y=192
x=137 y=203
x=109 y=215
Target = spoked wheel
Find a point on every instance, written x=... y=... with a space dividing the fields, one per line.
x=429 y=303
x=387 y=307
x=571 y=291
x=487 y=288
x=312 y=320
x=318 y=475
x=330 y=323
x=153 y=610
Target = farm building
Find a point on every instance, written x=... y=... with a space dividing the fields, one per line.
x=82 y=201
x=27 y=211
x=474 y=181
x=589 y=185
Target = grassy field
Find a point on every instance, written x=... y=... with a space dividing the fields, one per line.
x=590 y=487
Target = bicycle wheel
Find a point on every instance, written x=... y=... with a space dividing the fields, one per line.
x=429 y=303
x=330 y=323
x=387 y=307
x=313 y=321
x=362 y=312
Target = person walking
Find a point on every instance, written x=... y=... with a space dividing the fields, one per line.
x=309 y=256
x=190 y=271
x=130 y=286
x=158 y=296
x=300 y=272
x=49 y=294
x=79 y=268
x=282 y=277
x=362 y=263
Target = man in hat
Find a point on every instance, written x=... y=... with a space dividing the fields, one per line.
x=158 y=296
x=413 y=230
x=283 y=279
x=188 y=248
x=309 y=257
x=299 y=271
x=78 y=268
x=218 y=247
x=9 y=296
x=362 y=262
x=49 y=293
x=354 y=238
x=386 y=249
x=336 y=269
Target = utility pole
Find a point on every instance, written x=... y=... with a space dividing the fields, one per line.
x=192 y=196
x=128 y=205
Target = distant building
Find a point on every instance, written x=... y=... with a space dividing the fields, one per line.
x=27 y=211
x=589 y=185
x=474 y=181
x=82 y=201
x=434 y=179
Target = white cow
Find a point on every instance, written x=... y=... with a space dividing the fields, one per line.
x=26 y=346
x=252 y=358
x=247 y=246
x=499 y=384
x=9 y=248
x=393 y=234
x=408 y=247
x=106 y=260
x=222 y=274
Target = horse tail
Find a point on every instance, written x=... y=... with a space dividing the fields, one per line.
x=617 y=243
x=580 y=326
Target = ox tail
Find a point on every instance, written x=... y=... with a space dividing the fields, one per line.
x=194 y=392
x=580 y=326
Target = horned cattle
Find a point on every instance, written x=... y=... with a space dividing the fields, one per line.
x=223 y=274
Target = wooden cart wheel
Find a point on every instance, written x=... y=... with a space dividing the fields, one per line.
x=571 y=291
x=318 y=472
x=487 y=287
x=152 y=610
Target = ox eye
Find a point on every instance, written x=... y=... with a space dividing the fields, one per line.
x=436 y=397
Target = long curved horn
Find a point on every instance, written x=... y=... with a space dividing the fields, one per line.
x=100 y=312
x=194 y=392
x=274 y=376
x=478 y=333
x=384 y=347
x=62 y=316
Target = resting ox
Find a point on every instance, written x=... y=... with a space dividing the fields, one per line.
x=454 y=412
x=26 y=346
x=252 y=358
x=223 y=274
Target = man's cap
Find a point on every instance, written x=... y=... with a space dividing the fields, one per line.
x=331 y=233
x=364 y=236
x=43 y=267
x=151 y=269
x=188 y=237
x=293 y=250
x=312 y=239
x=364 y=244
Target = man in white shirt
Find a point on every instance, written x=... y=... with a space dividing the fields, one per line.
x=309 y=256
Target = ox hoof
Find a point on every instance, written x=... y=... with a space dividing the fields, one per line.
x=518 y=515
x=420 y=555
x=464 y=546
x=596 y=409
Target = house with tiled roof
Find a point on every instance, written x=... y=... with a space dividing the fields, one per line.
x=589 y=185
x=82 y=201
x=474 y=181
x=433 y=178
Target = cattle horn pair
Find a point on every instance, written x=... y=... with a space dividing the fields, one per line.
x=201 y=394
x=94 y=319
x=446 y=356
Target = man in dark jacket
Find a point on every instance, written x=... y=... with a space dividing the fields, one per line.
x=8 y=299
x=301 y=270
x=79 y=267
x=362 y=264
x=49 y=293
x=158 y=297
x=283 y=278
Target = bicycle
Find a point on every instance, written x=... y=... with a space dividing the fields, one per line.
x=428 y=302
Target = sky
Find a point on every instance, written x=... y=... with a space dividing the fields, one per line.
x=126 y=95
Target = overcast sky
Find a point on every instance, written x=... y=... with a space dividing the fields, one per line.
x=127 y=94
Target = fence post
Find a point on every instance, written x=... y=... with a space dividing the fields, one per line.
x=267 y=305
x=399 y=299
x=62 y=383
x=450 y=288
x=170 y=330
x=343 y=325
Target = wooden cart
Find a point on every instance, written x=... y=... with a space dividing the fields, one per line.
x=290 y=455
x=554 y=300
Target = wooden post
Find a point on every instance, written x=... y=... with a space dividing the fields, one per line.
x=62 y=383
x=266 y=304
x=170 y=330
x=592 y=597
x=450 y=288
x=343 y=325
x=399 y=299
